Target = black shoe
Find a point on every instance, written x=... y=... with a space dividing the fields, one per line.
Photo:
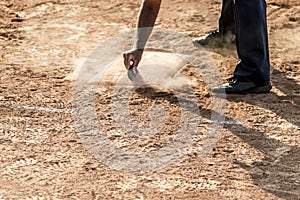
x=242 y=85
x=215 y=39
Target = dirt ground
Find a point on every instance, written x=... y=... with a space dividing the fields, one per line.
x=42 y=157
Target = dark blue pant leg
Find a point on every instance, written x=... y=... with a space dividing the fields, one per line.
x=252 y=40
x=226 y=20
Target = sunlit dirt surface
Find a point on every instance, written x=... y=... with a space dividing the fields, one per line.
x=43 y=42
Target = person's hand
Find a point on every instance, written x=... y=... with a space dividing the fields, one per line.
x=132 y=58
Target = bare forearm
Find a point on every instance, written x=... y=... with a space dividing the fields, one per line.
x=146 y=21
x=147 y=17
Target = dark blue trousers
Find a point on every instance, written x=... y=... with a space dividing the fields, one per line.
x=247 y=19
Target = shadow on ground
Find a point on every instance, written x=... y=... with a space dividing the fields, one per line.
x=279 y=172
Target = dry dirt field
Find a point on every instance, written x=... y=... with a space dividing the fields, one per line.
x=42 y=157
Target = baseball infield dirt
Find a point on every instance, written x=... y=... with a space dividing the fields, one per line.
x=257 y=155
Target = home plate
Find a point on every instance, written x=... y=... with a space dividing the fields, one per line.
x=157 y=68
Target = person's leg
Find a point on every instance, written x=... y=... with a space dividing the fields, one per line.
x=225 y=33
x=252 y=40
x=252 y=73
x=226 y=20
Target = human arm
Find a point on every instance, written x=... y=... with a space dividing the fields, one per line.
x=147 y=16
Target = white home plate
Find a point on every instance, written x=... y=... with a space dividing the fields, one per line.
x=156 y=68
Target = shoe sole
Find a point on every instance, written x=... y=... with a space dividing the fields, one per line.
x=259 y=90
x=254 y=90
